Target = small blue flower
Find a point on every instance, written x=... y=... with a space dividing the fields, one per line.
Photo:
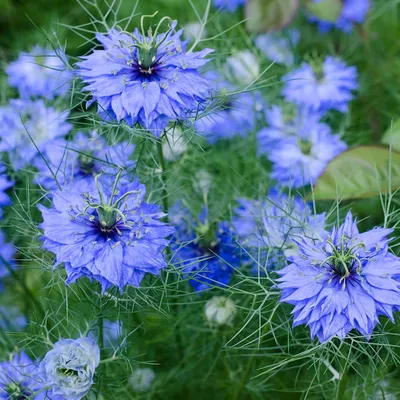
x=300 y=160
x=268 y=229
x=229 y=5
x=321 y=86
x=343 y=282
x=230 y=114
x=285 y=122
x=68 y=369
x=110 y=235
x=7 y=258
x=278 y=47
x=206 y=252
x=19 y=379
x=11 y=319
x=353 y=12
x=5 y=184
x=149 y=80
x=77 y=162
x=26 y=126
x=40 y=73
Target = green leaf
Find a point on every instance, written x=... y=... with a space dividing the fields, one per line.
x=327 y=10
x=392 y=135
x=360 y=172
x=268 y=15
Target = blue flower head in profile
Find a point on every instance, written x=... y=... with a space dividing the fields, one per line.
x=229 y=5
x=69 y=368
x=321 y=85
x=146 y=79
x=20 y=379
x=110 y=235
x=7 y=258
x=343 y=282
x=300 y=160
x=26 y=126
x=268 y=229
x=278 y=46
x=205 y=251
x=230 y=114
x=40 y=73
x=78 y=161
x=353 y=12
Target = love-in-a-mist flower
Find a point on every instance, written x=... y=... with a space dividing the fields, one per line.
x=41 y=73
x=287 y=121
x=220 y=310
x=206 y=252
x=26 y=127
x=150 y=80
x=142 y=379
x=268 y=228
x=300 y=160
x=7 y=258
x=110 y=234
x=69 y=368
x=20 y=379
x=76 y=162
x=321 y=85
x=353 y=12
x=243 y=67
x=231 y=113
x=278 y=46
x=5 y=184
x=229 y=5
x=343 y=282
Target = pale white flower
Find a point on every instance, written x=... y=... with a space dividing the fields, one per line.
x=193 y=31
x=203 y=182
x=243 y=67
x=142 y=379
x=174 y=144
x=220 y=310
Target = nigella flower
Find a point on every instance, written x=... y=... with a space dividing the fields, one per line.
x=112 y=236
x=278 y=47
x=26 y=126
x=206 y=252
x=353 y=12
x=321 y=86
x=150 y=80
x=5 y=184
x=68 y=369
x=343 y=282
x=230 y=114
x=78 y=161
x=7 y=258
x=19 y=379
x=243 y=67
x=300 y=160
x=42 y=73
x=11 y=319
x=284 y=122
x=229 y=5
x=268 y=229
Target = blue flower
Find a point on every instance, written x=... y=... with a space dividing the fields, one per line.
x=11 y=319
x=110 y=235
x=42 y=73
x=19 y=379
x=321 y=86
x=149 y=80
x=76 y=162
x=68 y=369
x=206 y=252
x=26 y=126
x=5 y=184
x=285 y=122
x=268 y=229
x=278 y=47
x=230 y=115
x=353 y=12
x=300 y=160
x=229 y=5
x=343 y=282
x=7 y=258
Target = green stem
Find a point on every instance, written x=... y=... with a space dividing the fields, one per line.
x=163 y=177
x=342 y=386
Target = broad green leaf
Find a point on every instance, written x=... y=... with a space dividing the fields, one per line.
x=359 y=173
x=269 y=15
x=392 y=135
x=327 y=10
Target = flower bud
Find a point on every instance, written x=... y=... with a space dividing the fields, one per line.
x=174 y=145
x=243 y=67
x=220 y=310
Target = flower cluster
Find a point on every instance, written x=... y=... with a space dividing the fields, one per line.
x=342 y=282
x=150 y=80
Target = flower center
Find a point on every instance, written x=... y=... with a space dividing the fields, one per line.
x=207 y=238
x=66 y=372
x=108 y=218
x=305 y=146
x=16 y=392
x=86 y=164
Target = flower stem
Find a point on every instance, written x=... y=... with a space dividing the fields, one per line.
x=163 y=177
